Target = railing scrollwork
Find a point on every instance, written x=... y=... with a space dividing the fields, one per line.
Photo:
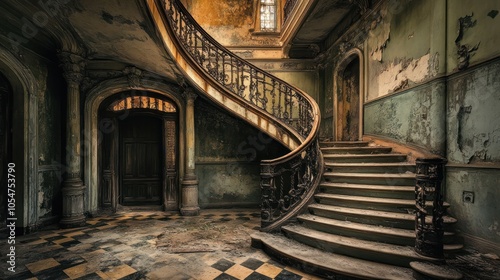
x=429 y=236
x=287 y=182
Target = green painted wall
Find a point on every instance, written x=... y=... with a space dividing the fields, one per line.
x=413 y=116
x=415 y=93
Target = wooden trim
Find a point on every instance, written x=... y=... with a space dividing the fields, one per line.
x=412 y=151
x=481 y=244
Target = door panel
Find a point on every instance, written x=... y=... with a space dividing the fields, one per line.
x=141 y=161
x=348 y=103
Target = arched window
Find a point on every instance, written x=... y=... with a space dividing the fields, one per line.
x=142 y=102
x=268 y=15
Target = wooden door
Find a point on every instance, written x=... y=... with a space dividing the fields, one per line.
x=348 y=114
x=141 y=161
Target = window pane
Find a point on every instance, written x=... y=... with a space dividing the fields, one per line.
x=268 y=15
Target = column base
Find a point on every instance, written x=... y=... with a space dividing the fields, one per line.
x=190 y=197
x=190 y=211
x=73 y=199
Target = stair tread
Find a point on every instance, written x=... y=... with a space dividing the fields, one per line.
x=406 y=175
x=358 y=226
x=376 y=213
x=371 y=229
x=357 y=148
x=354 y=243
x=362 y=155
x=344 y=142
x=368 y=187
x=373 y=199
x=374 y=164
x=336 y=263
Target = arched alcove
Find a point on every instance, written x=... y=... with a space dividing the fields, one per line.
x=348 y=97
x=116 y=91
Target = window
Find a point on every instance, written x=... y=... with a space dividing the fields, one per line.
x=268 y=15
x=142 y=102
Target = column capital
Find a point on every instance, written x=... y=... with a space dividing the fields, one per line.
x=73 y=66
x=189 y=94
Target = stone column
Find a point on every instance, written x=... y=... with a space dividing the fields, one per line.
x=189 y=183
x=73 y=189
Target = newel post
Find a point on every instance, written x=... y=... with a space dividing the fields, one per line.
x=429 y=236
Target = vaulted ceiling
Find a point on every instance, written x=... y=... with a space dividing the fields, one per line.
x=114 y=33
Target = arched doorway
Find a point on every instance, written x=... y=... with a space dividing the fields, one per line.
x=5 y=139
x=138 y=151
x=348 y=99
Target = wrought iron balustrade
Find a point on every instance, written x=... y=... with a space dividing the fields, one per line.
x=429 y=236
x=286 y=181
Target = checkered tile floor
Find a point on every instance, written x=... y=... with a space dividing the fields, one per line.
x=125 y=246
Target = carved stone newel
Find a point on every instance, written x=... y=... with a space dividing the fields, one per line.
x=189 y=183
x=73 y=190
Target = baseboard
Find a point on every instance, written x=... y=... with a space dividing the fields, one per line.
x=412 y=151
x=482 y=245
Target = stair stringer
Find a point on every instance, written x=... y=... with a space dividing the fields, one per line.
x=235 y=105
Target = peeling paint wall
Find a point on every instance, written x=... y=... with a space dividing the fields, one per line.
x=431 y=76
x=50 y=142
x=38 y=188
x=230 y=22
x=228 y=155
x=478 y=31
x=398 y=48
x=414 y=116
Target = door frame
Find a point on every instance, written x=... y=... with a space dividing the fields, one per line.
x=114 y=134
x=345 y=61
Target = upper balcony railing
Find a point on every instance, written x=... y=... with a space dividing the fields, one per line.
x=289 y=181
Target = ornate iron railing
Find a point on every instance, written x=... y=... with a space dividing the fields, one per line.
x=288 y=8
x=287 y=181
x=429 y=236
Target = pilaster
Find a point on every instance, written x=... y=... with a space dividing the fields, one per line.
x=189 y=183
x=73 y=190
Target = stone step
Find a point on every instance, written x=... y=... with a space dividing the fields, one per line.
x=399 y=167
x=407 y=179
x=329 y=158
x=356 y=150
x=393 y=191
x=373 y=217
x=324 y=264
x=374 y=203
x=343 y=143
x=353 y=247
x=398 y=236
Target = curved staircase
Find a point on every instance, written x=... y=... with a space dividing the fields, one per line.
x=362 y=220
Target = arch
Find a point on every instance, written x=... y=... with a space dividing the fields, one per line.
x=346 y=60
x=93 y=102
x=24 y=136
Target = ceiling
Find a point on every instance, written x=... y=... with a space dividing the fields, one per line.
x=111 y=30
x=320 y=21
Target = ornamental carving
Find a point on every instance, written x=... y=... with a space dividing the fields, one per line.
x=73 y=66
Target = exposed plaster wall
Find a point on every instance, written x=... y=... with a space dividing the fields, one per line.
x=479 y=31
x=230 y=22
x=414 y=116
x=473 y=114
x=398 y=48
